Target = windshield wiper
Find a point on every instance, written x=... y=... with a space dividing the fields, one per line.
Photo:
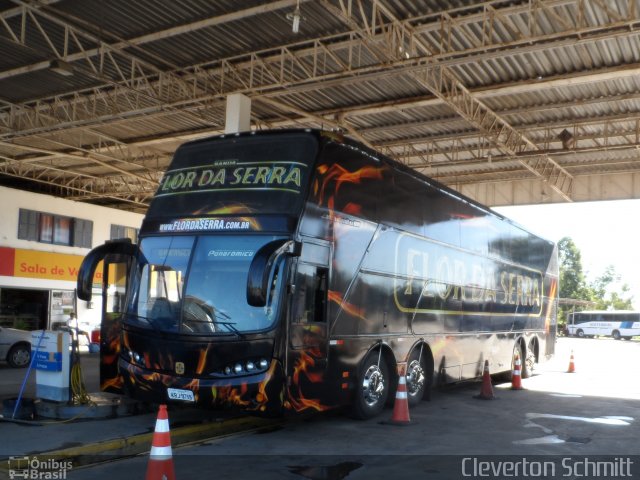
x=229 y=325
x=207 y=314
x=152 y=322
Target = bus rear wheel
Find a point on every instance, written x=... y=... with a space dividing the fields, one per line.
x=529 y=362
x=616 y=335
x=372 y=387
x=417 y=379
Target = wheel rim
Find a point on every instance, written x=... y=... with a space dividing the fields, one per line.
x=372 y=385
x=20 y=357
x=531 y=360
x=415 y=378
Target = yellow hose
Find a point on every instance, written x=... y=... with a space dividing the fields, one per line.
x=79 y=395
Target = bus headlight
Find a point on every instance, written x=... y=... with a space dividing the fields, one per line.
x=134 y=357
x=244 y=367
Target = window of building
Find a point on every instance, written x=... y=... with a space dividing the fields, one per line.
x=49 y=228
x=82 y=233
x=46 y=228
x=62 y=230
x=121 y=231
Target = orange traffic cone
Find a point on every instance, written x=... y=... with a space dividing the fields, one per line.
x=572 y=366
x=401 y=405
x=516 y=376
x=160 y=465
x=486 y=392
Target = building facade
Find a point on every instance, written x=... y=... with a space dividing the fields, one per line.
x=43 y=240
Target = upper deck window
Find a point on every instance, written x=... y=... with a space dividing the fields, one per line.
x=246 y=175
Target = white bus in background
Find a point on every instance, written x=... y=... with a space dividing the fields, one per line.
x=616 y=324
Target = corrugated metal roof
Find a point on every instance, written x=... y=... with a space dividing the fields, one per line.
x=138 y=78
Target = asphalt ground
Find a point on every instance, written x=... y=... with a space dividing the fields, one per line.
x=561 y=420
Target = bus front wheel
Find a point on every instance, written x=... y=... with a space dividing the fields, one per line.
x=580 y=333
x=372 y=388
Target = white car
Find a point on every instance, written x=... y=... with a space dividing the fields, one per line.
x=15 y=347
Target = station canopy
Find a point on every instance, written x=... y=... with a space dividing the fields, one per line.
x=508 y=102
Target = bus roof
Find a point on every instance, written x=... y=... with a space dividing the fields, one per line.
x=341 y=138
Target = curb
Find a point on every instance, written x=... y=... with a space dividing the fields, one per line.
x=109 y=450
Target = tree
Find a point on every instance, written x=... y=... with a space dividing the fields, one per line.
x=572 y=280
x=605 y=291
x=605 y=294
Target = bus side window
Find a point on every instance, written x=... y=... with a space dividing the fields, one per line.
x=311 y=294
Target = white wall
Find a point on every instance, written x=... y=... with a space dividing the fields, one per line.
x=13 y=200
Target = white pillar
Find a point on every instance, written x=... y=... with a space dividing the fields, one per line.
x=238 y=113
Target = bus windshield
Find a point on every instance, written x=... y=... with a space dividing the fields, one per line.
x=197 y=286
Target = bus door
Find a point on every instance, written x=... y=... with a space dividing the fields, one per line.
x=114 y=292
x=308 y=326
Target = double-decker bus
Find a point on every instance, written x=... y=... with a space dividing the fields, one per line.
x=297 y=270
x=617 y=324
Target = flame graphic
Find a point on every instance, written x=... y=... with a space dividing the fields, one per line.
x=232 y=395
x=116 y=382
x=262 y=398
x=113 y=341
x=202 y=360
x=552 y=296
x=352 y=209
x=339 y=175
x=296 y=399
x=351 y=309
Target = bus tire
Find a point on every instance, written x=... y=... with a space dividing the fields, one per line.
x=616 y=335
x=529 y=362
x=372 y=388
x=627 y=338
x=580 y=333
x=417 y=377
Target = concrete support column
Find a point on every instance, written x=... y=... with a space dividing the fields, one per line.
x=238 y=113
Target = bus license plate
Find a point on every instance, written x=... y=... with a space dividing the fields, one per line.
x=178 y=394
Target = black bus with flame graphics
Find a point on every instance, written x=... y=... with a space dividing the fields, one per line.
x=297 y=270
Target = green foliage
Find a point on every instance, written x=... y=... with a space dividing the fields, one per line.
x=605 y=291
x=604 y=294
x=572 y=280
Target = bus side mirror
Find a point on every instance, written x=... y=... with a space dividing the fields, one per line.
x=261 y=266
x=94 y=257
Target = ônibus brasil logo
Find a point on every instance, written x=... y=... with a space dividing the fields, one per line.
x=34 y=468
